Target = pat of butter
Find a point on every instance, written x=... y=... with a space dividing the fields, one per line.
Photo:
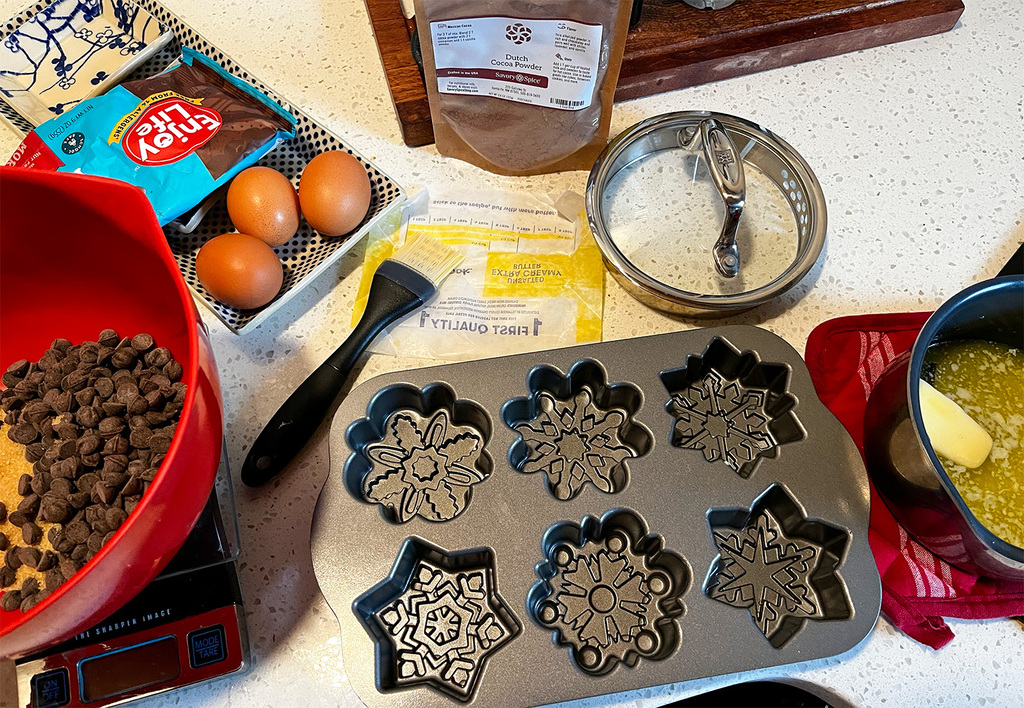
x=953 y=433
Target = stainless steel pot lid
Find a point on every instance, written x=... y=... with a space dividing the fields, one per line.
x=658 y=212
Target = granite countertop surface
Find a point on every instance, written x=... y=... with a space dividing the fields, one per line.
x=919 y=148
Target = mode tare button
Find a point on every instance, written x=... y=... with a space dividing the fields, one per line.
x=207 y=646
x=51 y=689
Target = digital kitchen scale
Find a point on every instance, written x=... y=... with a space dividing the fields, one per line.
x=184 y=628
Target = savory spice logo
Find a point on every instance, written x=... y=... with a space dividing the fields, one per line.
x=518 y=33
x=165 y=128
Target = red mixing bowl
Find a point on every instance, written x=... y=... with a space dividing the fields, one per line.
x=79 y=254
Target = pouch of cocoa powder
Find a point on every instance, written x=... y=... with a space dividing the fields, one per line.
x=178 y=135
x=522 y=87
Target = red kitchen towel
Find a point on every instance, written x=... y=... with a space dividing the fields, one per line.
x=845 y=357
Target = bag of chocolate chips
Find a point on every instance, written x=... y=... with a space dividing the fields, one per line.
x=178 y=135
x=522 y=87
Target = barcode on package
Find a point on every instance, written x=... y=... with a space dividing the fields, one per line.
x=566 y=104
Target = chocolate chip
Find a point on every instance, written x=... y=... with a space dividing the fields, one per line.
x=142 y=342
x=67 y=431
x=8 y=576
x=3 y=542
x=27 y=603
x=11 y=599
x=88 y=416
x=116 y=446
x=127 y=391
x=23 y=433
x=53 y=579
x=88 y=443
x=25 y=484
x=29 y=556
x=3 y=512
x=111 y=426
x=29 y=505
x=68 y=567
x=104 y=387
x=130 y=502
x=155 y=418
x=95 y=542
x=160 y=442
x=85 y=481
x=92 y=460
x=75 y=381
x=18 y=368
x=35 y=411
x=115 y=463
x=34 y=451
x=11 y=558
x=55 y=511
x=85 y=396
x=114 y=479
x=66 y=449
x=124 y=358
x=18 y=518
x=141 y=437
x=80 y=553
x=173 y=370
x=61 y=487
x=40 y=483
x=139 y=405
x=31 y=533
x=77 y=532
x=109 y=338
x=113 y=408
x=47 y=560
x=79 y=500
x=115 y=517
x=103 y=492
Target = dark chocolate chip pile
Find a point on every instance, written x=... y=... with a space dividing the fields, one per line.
x=96 y=420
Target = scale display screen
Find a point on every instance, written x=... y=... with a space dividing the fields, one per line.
x=129 y=669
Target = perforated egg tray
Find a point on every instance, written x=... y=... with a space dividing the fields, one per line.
x=306 y=254
x=577 y=522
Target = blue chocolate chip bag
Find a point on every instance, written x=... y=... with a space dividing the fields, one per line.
x=178 y=135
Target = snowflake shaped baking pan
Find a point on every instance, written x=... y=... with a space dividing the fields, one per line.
x=418 y=453
x=610 y=591
x=778 y=565
x=577 y=429
x=436 y=619
x=731 y=406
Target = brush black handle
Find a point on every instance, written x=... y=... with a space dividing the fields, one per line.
x=293 y=425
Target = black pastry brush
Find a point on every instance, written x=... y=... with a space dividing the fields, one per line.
x=402 y=283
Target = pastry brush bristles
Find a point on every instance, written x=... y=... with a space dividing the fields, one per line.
x=428 y=257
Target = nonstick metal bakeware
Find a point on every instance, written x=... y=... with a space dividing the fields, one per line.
x=550 y=526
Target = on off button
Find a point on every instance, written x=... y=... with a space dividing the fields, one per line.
x=207 y=646
x=51 y=689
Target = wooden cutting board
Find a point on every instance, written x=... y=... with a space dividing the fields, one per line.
x=675 y=45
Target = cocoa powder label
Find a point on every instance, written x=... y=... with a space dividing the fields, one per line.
x=550 y=62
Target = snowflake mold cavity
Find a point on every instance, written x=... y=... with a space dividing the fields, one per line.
x=577 y=429
x=436 y=620
x=731 y=406
x=610 y=592
x=418 y=453
x=778 y=565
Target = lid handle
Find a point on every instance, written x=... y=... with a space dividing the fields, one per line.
x=726 y=168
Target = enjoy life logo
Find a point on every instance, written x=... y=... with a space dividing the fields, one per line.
x=168 y=131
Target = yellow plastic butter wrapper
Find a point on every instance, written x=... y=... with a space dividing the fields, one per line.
x=532 y=279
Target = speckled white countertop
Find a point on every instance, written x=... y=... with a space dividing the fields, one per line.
x=919 y=148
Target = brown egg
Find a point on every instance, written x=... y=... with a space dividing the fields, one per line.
x=263 y=203
x=334 y=192
x=239 y=270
